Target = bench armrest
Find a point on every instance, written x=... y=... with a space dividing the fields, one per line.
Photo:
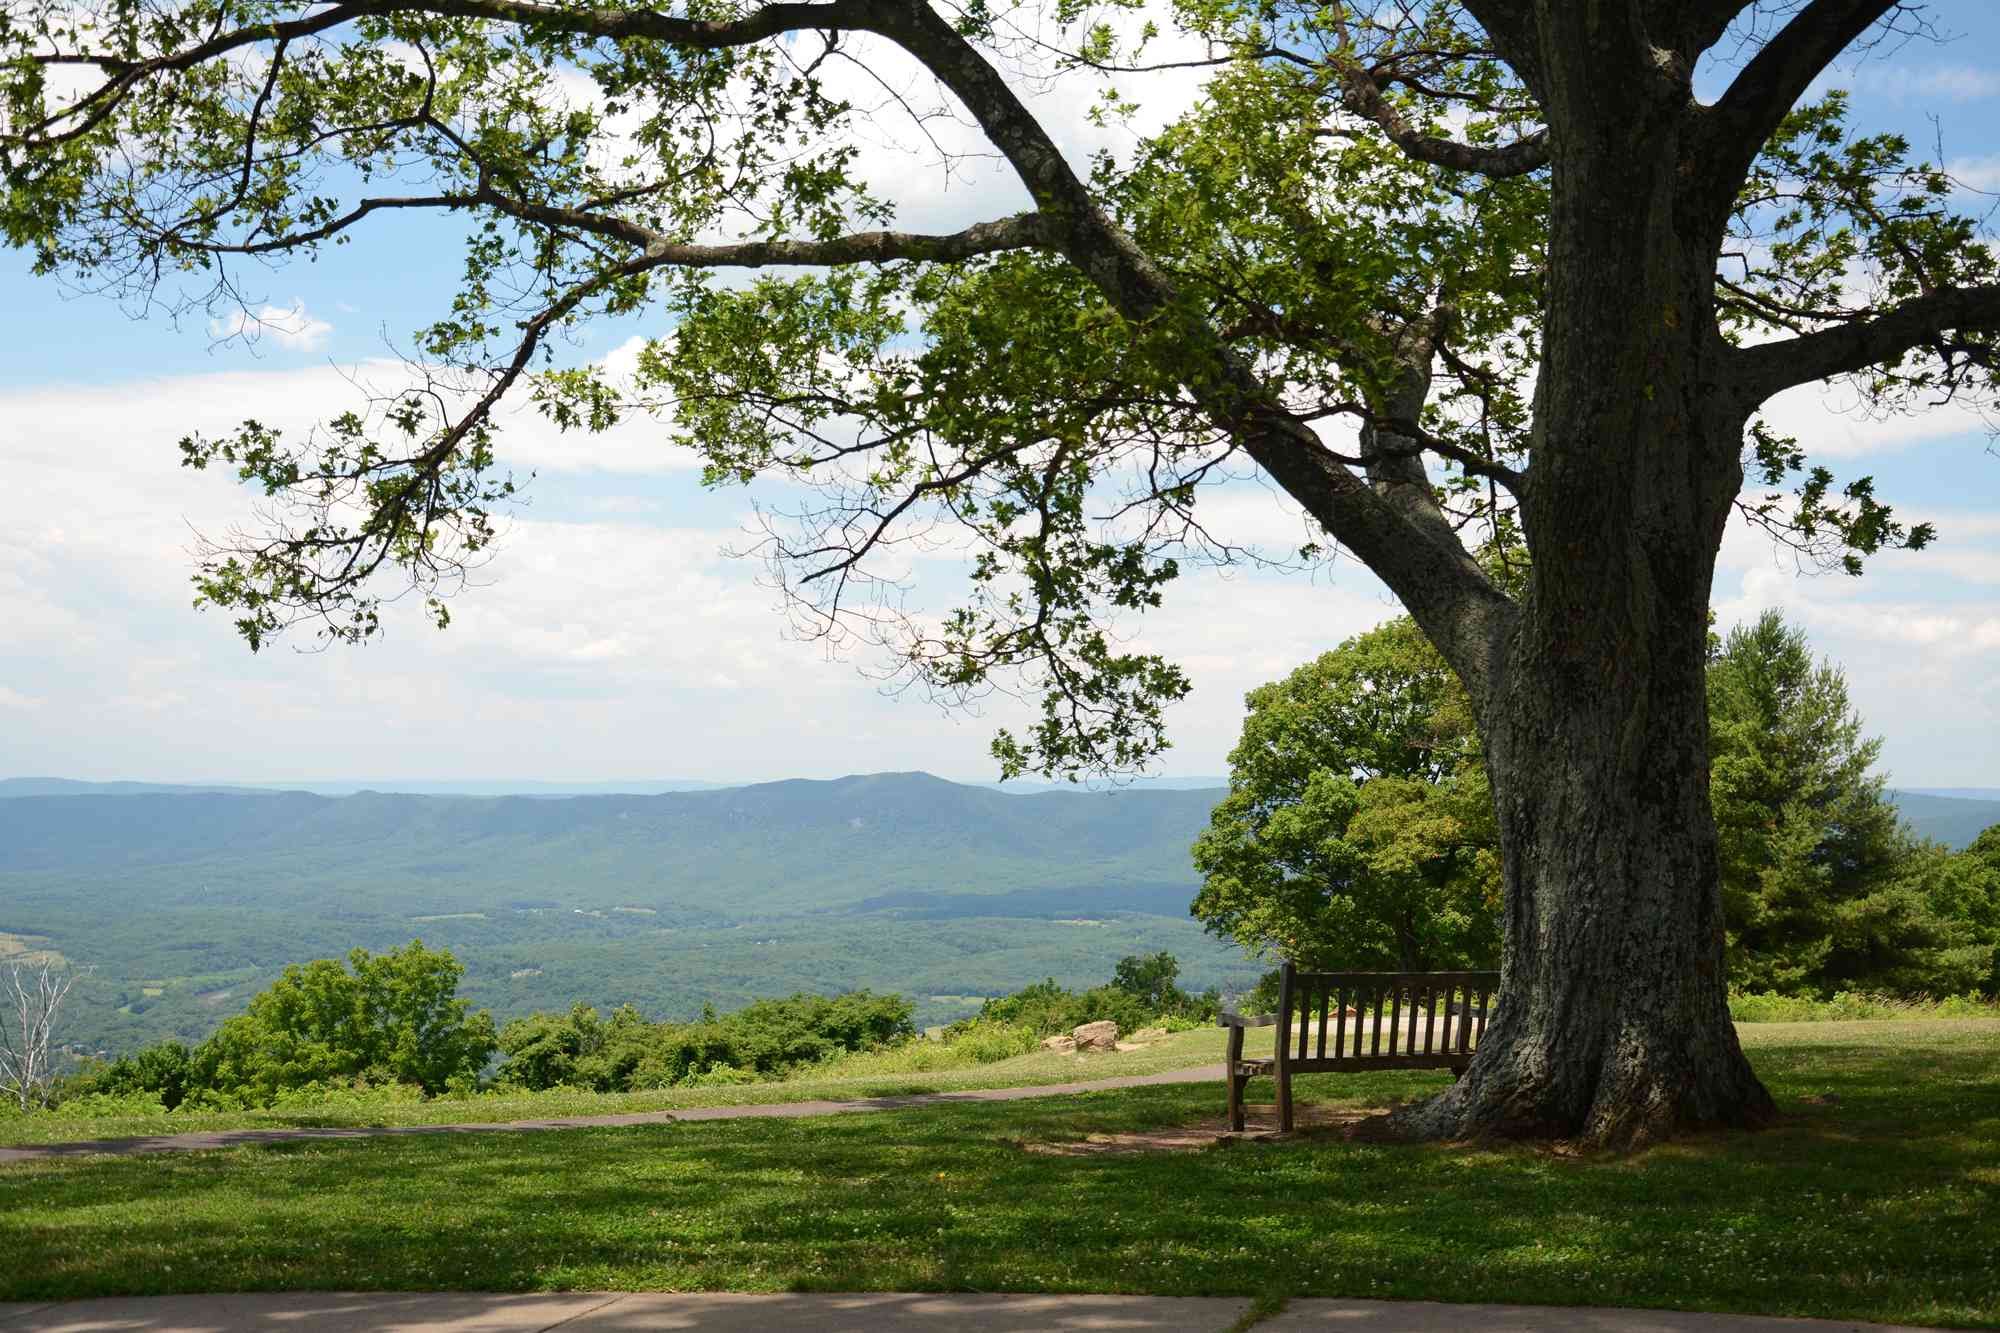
x=1225 y=1019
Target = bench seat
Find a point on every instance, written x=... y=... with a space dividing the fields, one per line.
x=1347 y=1011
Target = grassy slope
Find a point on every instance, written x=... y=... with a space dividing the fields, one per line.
x=1883 y=1204
x=881 y=1075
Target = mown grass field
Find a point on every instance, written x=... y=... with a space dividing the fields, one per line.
x=1878 y=1198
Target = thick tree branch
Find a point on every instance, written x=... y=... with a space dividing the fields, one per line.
x=1511 y=26
x=1699 y=23
x=766 y=21
x=1733 y=131
x=1021 y=231
x=1361 y=94
x=1918 y=322
x=1441 y=585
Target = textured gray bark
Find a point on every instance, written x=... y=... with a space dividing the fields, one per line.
x=1614 y=1026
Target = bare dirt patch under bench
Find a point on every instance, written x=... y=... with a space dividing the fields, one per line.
x=1260 y=1126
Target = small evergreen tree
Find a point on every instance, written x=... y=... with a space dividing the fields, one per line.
x=1823 y=888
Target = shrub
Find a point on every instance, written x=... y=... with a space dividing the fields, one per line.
x=1771 y=1007
x=985 y=1042
x=338 y=1096
x=762 y=1040
x=394 y=1019
x=110 y=1105
x=163 y=1073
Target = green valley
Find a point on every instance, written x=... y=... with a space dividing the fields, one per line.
x=186 y=902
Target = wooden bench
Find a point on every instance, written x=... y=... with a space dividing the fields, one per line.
x=1321 y=1004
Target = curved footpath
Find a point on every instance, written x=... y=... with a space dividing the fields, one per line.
x=239 y=1138
x=611 y=1312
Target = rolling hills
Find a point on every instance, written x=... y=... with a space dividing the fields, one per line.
x=186 y=902
x=1953 y=820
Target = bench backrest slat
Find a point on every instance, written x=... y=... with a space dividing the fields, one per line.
x=1466 y=998
x=1407 y=1004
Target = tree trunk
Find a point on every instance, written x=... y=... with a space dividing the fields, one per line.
x=1613 y=1025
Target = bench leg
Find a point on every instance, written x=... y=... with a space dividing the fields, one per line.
x=1235 y=1080
x=1284 y=1101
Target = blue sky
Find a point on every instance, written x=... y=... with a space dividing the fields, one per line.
x=613 y=641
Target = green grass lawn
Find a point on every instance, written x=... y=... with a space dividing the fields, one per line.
x=1878 y=1198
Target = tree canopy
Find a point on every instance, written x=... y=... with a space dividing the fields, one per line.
x=387 y=1018
x=1306 y=247
x=1504 y=269
x=1358 y=830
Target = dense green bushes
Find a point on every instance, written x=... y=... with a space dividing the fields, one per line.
x=765 y=1039
x=1142 y=993
x=1771 y=1007
x=1358 y=832
x=390 y=1028
x=393 y=1019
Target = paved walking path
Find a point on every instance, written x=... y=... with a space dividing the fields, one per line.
x=611 y=1312
x=237 y=1138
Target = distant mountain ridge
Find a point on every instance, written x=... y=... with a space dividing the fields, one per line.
x=38 y=786
x=1952 y=820
x=896 y=829
x=72 y=787
x=448 y=787
x=186 y=901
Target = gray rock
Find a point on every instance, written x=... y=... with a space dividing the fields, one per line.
x=1099 y=1036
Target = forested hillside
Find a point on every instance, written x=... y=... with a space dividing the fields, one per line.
x=186 y=902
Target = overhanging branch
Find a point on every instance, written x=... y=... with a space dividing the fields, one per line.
x=1734 y=130
x=1361 y=94
x=1919 y=322
x=770 y=20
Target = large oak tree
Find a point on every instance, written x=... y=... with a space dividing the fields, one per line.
x=1443 y=271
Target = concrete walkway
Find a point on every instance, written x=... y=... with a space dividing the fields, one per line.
x=610 y=1312
x=238 y=1138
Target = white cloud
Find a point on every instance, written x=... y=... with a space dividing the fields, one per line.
x=1831 y=421
x=1916 y=636
x=1954 y=83
x=616 y=643
x=17 y=701
x=140 y=421
x=288 y=326
x=1981 y=174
